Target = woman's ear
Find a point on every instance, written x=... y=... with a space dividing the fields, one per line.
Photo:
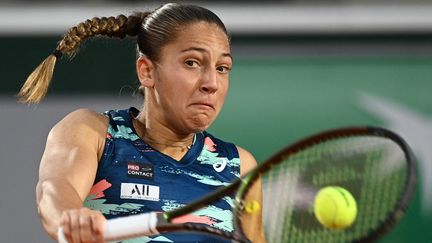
x=145 y=68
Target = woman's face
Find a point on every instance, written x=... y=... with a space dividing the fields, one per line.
x=189 y=83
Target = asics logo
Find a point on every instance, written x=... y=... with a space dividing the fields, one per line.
x=220 y=164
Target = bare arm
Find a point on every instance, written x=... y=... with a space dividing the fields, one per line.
x=67 y=172
x=252 y=223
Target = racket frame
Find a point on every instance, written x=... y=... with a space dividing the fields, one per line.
x=402 y=202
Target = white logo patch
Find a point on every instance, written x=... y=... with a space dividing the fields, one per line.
x=139 y=191
x=220 y=164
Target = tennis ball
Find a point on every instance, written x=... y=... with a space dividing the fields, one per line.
x=252 y=206
x=335 y=207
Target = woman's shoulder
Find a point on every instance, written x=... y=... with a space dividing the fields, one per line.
x=82 y=129
x=247 y=160
x=83 y=120
x=85 y=116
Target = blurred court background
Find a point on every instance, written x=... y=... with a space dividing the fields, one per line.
x=301 y=66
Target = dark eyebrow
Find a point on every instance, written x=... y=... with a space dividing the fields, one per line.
x=203 y=50
x=228 y=55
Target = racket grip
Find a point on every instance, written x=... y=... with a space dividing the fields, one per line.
x=131 y=226
x=60 y=236
x=124 y=227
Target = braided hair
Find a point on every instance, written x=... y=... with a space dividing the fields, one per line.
x=153 y=30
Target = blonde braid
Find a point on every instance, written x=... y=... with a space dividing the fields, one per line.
x=37 y=83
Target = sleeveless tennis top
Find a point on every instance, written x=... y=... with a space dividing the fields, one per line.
x=133 y=178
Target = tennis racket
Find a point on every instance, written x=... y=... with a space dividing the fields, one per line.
x=374 y=164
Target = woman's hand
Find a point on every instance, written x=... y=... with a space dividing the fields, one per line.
x=83 y=225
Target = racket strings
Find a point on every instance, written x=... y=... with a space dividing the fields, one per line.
x=283 y=209
x=383 y=182
x=278 y=189
x=373 y=169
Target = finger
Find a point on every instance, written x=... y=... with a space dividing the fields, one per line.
x=98 y=226
x=85 y=227
x=75 y=226
x=65 y=225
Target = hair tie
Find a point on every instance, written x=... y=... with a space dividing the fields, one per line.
x=57 y=53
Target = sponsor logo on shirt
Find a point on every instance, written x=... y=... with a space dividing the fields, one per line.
x=139 y=191
x=140 y=171
x=220 y=164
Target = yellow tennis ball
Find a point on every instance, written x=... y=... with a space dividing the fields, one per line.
x=252 y=206
x=335 y=207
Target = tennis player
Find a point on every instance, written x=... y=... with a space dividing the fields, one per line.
x=101 y=166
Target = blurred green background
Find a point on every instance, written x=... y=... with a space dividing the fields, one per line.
x=283 y=88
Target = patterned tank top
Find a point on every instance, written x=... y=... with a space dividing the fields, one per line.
x=133 y=178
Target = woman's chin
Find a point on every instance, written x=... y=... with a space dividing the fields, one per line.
x=200 y=123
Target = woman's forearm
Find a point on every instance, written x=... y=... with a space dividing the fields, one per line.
x=52 y=198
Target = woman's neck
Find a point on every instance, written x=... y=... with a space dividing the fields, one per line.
x=162 y=138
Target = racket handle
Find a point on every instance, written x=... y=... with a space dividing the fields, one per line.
x=60 y=236
x=124 y=227
x=131 y=226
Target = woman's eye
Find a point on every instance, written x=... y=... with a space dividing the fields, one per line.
x=223 y=69
x=191 y=63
